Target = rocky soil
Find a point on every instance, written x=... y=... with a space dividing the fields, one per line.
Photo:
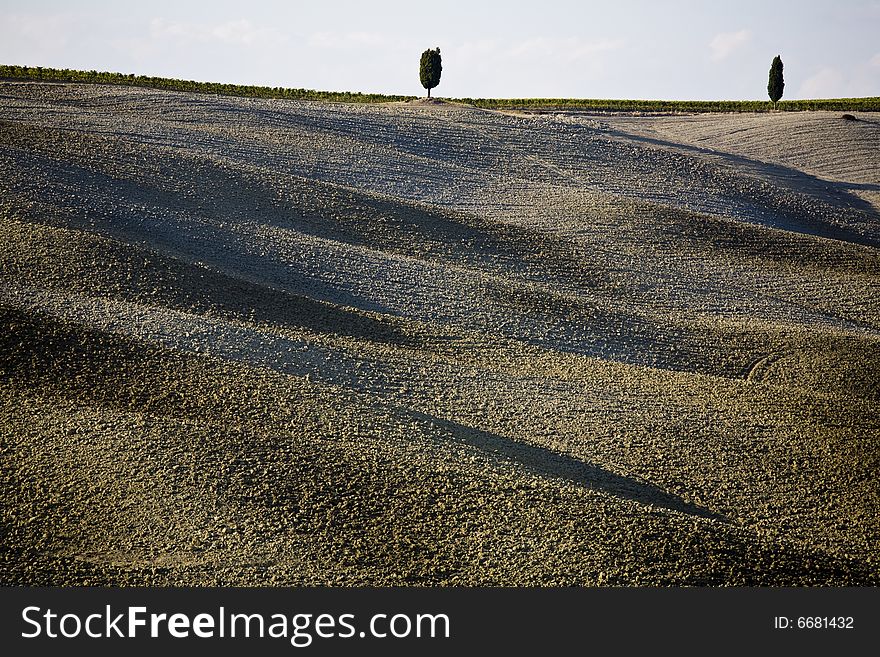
x=262 y=342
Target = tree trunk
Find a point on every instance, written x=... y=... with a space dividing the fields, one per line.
x=429 y=92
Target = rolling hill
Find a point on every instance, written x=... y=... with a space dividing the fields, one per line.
x=274 y=342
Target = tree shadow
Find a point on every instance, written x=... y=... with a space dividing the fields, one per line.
x=548 y=463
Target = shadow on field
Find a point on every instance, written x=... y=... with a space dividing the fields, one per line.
x=548 y=463
x=81 y=261
x=839 y=194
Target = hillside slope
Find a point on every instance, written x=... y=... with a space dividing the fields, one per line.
x=824 y=145
x=273 y=342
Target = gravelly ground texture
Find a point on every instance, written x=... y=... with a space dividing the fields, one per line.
x=267 y=343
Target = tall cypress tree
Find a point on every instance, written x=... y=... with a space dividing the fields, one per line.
x=776 y=83
x=430 y=68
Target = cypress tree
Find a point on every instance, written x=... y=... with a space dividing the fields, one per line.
x=430 y=68
x=776 y=83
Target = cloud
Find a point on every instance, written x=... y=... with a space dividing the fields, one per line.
x=726 y=43
x=532 y=49
x=535 y=66
x=40 y=33
x=827 y=82
x=562 y=49
x=241 y=32
x=851 y=81
x=347 y=40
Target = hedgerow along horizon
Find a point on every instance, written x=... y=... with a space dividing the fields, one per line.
x=45 y=74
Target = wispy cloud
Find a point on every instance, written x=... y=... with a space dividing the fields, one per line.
x=239 y=32
x=548 y=63
x=726 y=43
x=347 y=40
x=569 y=49
x=850 y=81
x=827 y=82
x=48 y=33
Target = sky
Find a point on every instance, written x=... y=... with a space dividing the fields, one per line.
x=645 y=49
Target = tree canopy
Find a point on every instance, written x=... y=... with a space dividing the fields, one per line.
x=776 y=84
x=430 y=68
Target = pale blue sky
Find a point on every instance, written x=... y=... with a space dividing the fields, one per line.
x=612 y=49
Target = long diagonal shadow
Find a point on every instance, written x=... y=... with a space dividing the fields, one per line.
x=839 y=193
x=546 y=462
